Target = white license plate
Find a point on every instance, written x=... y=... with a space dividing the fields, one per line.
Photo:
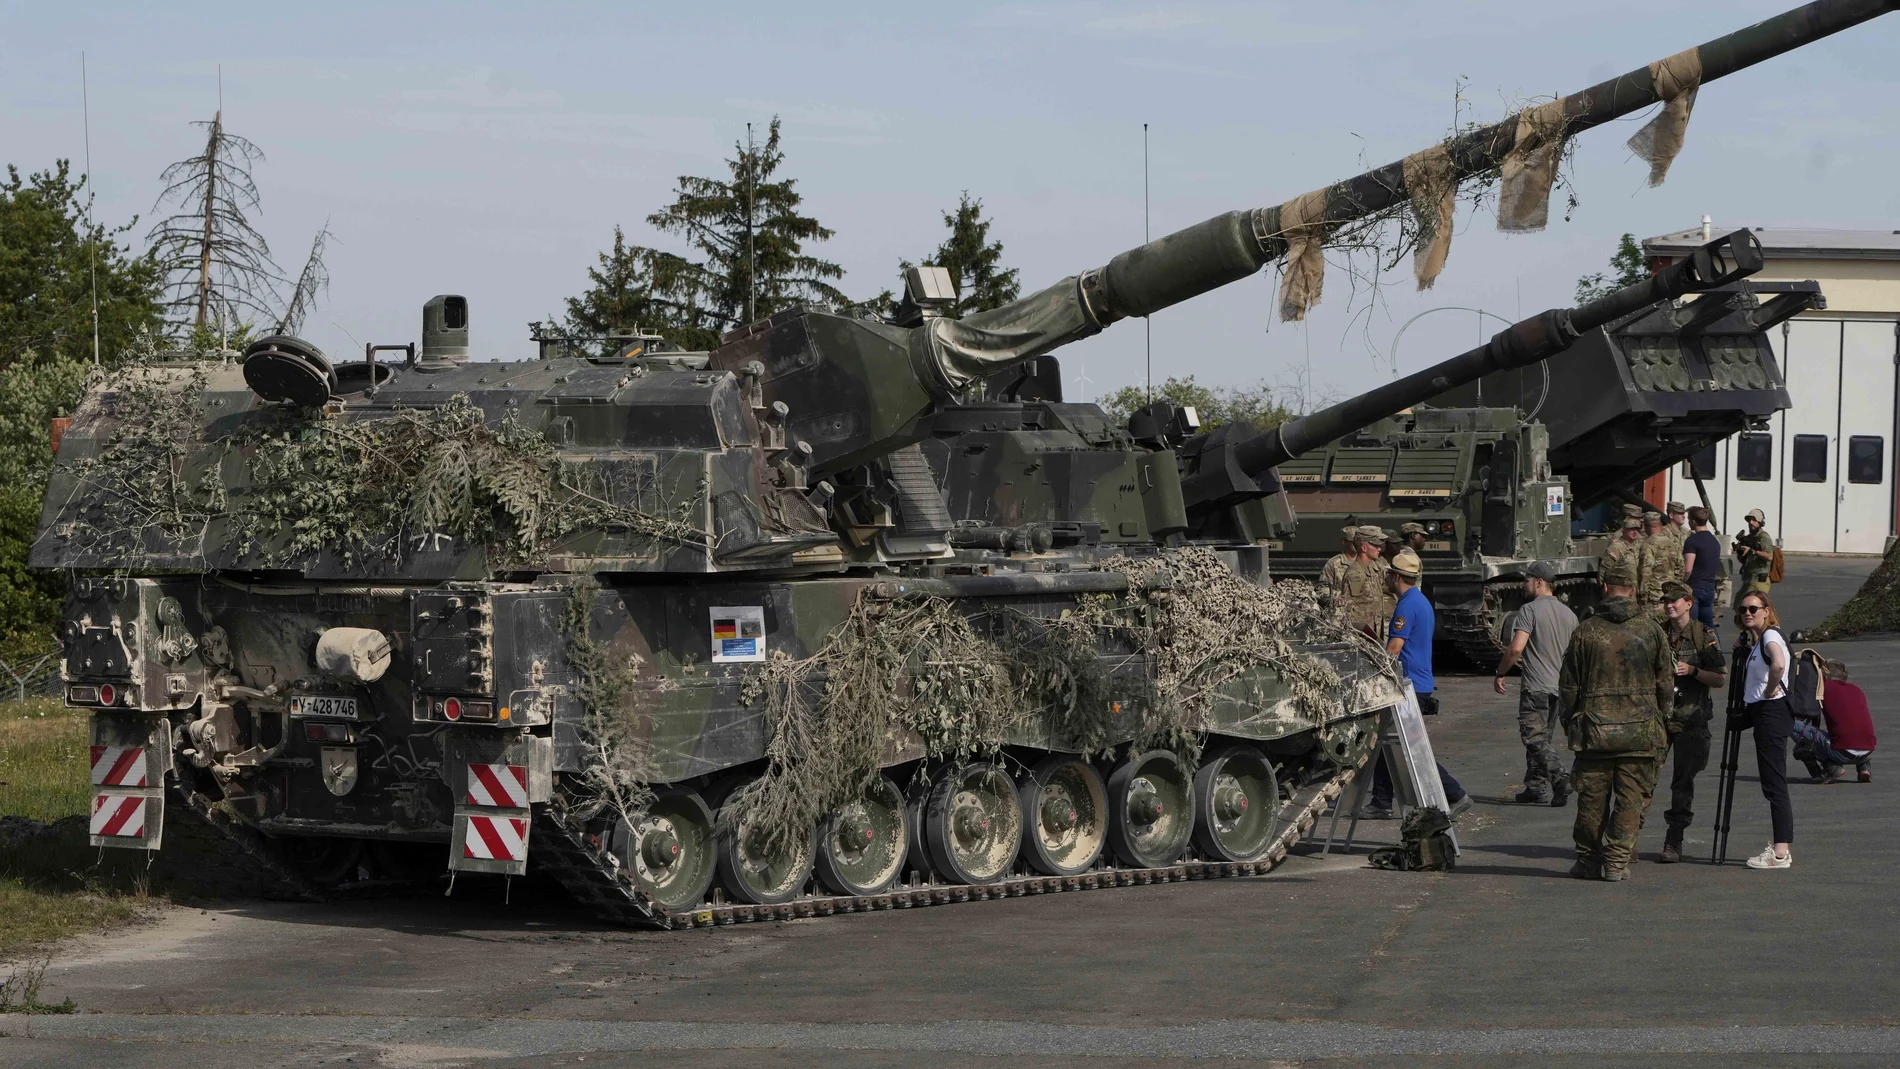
x=322 y=705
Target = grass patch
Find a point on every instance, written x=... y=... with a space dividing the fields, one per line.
x=53 y=883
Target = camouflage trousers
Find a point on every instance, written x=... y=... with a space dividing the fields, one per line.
x=1537 y=728
x=1612 y=793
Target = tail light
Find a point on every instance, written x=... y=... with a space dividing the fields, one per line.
x=452 y=708
x=108 y=695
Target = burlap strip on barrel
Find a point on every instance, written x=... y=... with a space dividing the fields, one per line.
x=1303 y=225
x=1676 y=80
x=1433 y=188
x=1530 y=167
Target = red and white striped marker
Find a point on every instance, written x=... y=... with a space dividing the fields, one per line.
x=496 y=838
x=118 y=814
x=118 y=766
x=499 y=786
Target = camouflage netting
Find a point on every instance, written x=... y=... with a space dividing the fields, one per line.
x=367 y=489
x=1874 y=609
x=964 y=685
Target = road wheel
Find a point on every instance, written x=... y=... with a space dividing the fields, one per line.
x=862 y=846
x=758 y=868
x=669 y=849
x=1151 y=809
x=973 y=823
x=1065 y=816
x=1237 y=800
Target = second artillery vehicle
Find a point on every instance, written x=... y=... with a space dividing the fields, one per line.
x=706 y=636
x=1498 y=472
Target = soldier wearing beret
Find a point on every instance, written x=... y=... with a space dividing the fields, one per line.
x=1616 y=685
x=1697 y=664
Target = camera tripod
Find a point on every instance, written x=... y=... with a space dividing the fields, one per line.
x=1731 y=749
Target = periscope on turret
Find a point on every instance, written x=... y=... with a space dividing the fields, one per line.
x=841 y=615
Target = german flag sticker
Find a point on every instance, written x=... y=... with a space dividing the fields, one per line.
x=727 y=628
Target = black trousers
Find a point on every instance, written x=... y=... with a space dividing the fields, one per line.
x=1774 y=723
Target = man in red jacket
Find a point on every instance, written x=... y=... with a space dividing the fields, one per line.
x=1848 y=738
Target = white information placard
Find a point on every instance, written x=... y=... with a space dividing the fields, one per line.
x=738 y=633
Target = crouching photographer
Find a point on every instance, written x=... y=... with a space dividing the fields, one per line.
x=1842 y=732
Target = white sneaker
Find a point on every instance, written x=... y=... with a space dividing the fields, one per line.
x=1767 y=860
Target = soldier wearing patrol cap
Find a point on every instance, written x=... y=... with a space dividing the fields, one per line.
x=1362 y=583
x=1414 y=536
x=1698 y=665
x=1616 y=686
x=1329 y=576
x=1678 y=526
x=1627 y=541
x=1659 y=561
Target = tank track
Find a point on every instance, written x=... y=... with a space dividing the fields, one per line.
x=222 y=854
x=566 y=856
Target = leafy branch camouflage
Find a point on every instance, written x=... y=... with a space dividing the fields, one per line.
x=962 y=685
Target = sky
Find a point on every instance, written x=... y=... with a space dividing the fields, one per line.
x=489 y=150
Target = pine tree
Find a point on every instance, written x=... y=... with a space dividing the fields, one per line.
x=1628 y=266
x=627 y=289
x=752 y=237
x=218 y=268
x=973 y=260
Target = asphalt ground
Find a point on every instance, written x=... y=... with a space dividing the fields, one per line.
x=1504 y=962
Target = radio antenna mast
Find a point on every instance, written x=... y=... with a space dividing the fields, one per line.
x=1147 y=322
x=92 y=251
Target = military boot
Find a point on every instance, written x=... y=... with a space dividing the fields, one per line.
x=1585 y=870
x=1533 y=794
x=1672 y=850
x=1615 y=873
x=1560 y=792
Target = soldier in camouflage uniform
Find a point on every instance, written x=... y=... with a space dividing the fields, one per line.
x=1414 y=536
x=1755 y=551
x=1658 y=562
x=1698 y=664
x=1627 y=543
x=1329 y=576
x=1363 y=595
x=1616 y=682
x=1678 y=526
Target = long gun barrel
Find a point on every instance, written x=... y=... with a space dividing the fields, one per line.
x=1230 y=247
x=1727 y=259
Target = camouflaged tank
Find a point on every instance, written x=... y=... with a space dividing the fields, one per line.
x=790 y=627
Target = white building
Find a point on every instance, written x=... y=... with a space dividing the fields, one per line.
x=1823 y=471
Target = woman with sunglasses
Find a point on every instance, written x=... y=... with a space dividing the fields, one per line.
x=1765 y=692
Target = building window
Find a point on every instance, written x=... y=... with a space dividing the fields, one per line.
x=1864 y=459
x=1700 y=465
x=1754 y=458
x=1810 y=458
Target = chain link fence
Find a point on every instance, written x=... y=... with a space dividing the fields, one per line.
x=30 y=676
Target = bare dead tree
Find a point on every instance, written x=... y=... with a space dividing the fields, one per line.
x=216 y=264
x=313 y=279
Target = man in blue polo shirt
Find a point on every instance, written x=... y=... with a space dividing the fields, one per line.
x=1411 y=642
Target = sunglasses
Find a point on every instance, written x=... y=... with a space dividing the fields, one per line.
x=1749 y=609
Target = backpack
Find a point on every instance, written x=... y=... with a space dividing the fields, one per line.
x=1807 y=685
x=1776 y=567
x=1424 y=844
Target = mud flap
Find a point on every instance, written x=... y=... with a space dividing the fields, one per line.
x=130 y=757
x=496 y=779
